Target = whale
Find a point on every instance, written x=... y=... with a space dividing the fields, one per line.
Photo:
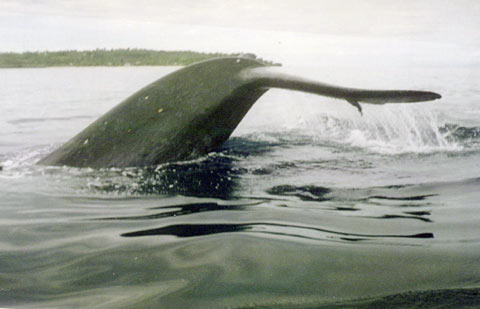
x=193 y=111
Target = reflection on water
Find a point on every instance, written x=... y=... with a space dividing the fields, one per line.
x=217 y=175
x=191 y=230
x=396 y=206
x=184 y=209
x=305 y=193
x=397 y=210
x=406 y=198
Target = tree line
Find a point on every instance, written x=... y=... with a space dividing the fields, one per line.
x=112 y=57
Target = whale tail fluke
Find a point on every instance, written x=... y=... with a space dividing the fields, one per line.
x=193 y=111
x=265 y=78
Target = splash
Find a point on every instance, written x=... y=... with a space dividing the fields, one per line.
x=388 y=129
x=400 y=129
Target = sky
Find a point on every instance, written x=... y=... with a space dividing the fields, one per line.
x=406 y=30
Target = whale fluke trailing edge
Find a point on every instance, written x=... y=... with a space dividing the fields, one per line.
x=193 y=111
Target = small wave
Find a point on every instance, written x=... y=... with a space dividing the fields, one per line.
x=299 y=231
x=23 y=158
x=48 y=119
x=448 y=298
x=305 y=193
x=460 y=134
x=185 y=209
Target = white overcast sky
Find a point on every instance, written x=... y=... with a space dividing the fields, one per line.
x=270 y=28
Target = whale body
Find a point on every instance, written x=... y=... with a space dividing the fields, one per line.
x=193 y=111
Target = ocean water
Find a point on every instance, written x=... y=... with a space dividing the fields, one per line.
x=308 y=205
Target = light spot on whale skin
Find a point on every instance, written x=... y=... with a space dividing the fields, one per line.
x=160 y=110
x=129 y=130
x=85 y=142
x=146 y=98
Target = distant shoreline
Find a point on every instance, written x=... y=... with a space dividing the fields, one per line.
x=109 y=58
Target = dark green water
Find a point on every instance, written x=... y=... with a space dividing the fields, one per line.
x=309 y=205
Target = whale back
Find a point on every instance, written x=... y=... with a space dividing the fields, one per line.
x=183 y=115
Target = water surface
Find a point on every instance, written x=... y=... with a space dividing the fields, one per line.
x=309 y=204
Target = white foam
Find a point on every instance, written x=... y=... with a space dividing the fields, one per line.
x=391 y=128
